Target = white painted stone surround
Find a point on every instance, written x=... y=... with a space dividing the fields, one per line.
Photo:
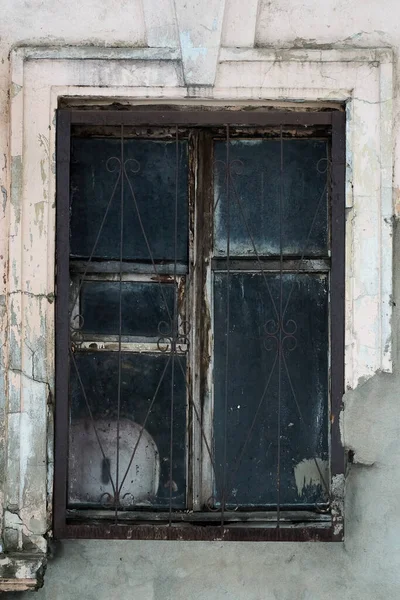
x=361 y=78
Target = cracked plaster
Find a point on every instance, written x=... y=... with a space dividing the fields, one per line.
x=279 y=70
x=366 y=566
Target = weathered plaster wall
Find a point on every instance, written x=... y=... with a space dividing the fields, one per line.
x=367 y=565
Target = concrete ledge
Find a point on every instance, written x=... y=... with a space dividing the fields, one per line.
x=94 y=52
x=17 y=585
x=319 y=54
x=21 y=571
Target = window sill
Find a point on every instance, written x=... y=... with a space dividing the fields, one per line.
x=291 y=528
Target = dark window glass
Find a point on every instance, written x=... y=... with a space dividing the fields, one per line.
x=254 y=370
x=147 y=308
x=148 y=198
x=92 y=472
x=255 y=192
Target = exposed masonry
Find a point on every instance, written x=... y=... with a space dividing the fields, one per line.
x=360 y=77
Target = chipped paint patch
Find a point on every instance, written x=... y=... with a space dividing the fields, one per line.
x=4 y=192
x=310 y=472
x=43 y=171
x=16 y=189
x=15 y=89
x=44 y=143
x=39 y=216
x=188 y=50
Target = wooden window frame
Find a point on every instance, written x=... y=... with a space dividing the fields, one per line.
x=292 y=527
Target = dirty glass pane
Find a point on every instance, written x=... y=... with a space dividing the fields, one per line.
x=90 y=472
x=253 y=360
x=255 y=192
x=149 y=198
x=144 y=307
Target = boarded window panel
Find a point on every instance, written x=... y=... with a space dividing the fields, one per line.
x=145 y=307
x=149 y=475
x=151 y=171
x=253 y=351
x=255 y=193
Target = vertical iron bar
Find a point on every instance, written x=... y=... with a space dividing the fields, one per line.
x=143 y=426
x=174 y=321
x=82 y=279
x=228 y=249
x=280 y=349
x=63 y=153
x=121 y=250
x=91 y=417
x=192 y=438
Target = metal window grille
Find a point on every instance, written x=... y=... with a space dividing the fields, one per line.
x=199 y=324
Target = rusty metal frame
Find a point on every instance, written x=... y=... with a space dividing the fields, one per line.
x=65 y=524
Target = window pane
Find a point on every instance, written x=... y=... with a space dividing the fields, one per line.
x=255 y=192
x=253 y=403
x=145 y=307
x=149 y=199
x=92 y=474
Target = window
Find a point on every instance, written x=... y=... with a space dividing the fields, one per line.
x=200 y=323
